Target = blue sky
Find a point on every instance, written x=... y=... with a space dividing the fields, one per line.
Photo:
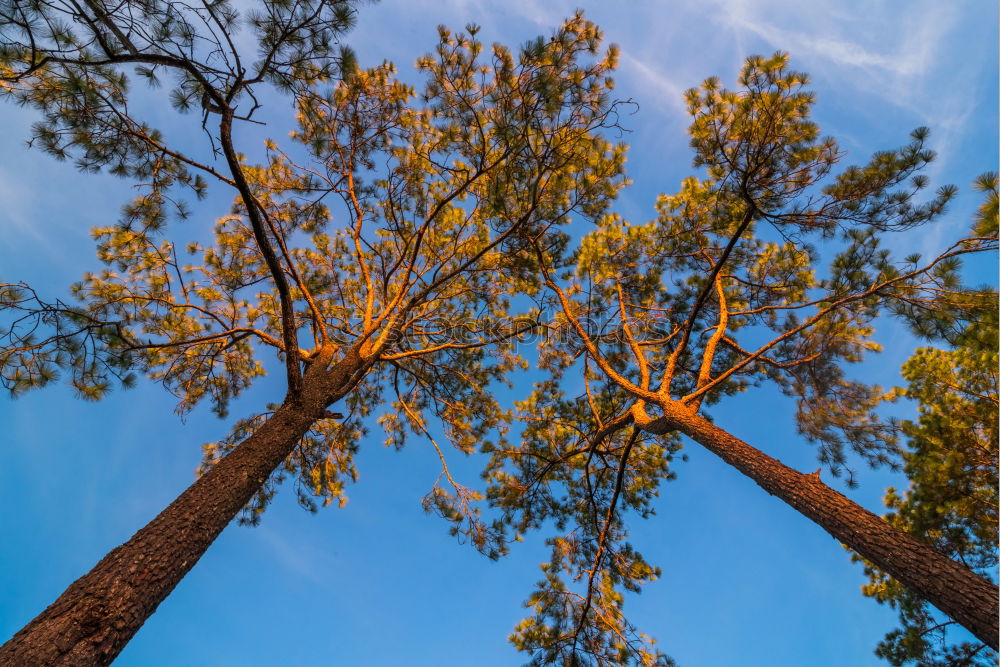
x=746 y=580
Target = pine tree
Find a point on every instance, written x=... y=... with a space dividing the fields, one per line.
x=721 y=293
x=950 y=459
x=401 y=305
x=453 y=210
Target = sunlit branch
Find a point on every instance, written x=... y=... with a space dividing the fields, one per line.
x=456 y=346
x=708 y=355
x=770 y=360
x=668 y=373
x=640 y=356
x=585 y=338
x=963 y=248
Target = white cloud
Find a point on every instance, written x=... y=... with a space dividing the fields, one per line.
x=302 y=558
x=18 y=205
x=847 y=41
x=667 y=91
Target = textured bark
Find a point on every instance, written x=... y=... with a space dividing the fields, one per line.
x=948 y=585
x=90 y=623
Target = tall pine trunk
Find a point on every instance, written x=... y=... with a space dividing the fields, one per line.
x=950 y=586
x=93 y=620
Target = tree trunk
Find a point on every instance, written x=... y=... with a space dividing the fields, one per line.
x=90 y=623
x=950 y=586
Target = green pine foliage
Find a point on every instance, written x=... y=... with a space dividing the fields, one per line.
x=397 y=228
x=950 y=459
x=721 y=293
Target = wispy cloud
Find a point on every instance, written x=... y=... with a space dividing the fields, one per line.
x=846 y=42
x=18 y=207
x=301 y=558
x=667 y=92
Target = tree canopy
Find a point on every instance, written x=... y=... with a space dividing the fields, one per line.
x=402 y=300
x=950 y=459
x=437 y=199
x=721 y=293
